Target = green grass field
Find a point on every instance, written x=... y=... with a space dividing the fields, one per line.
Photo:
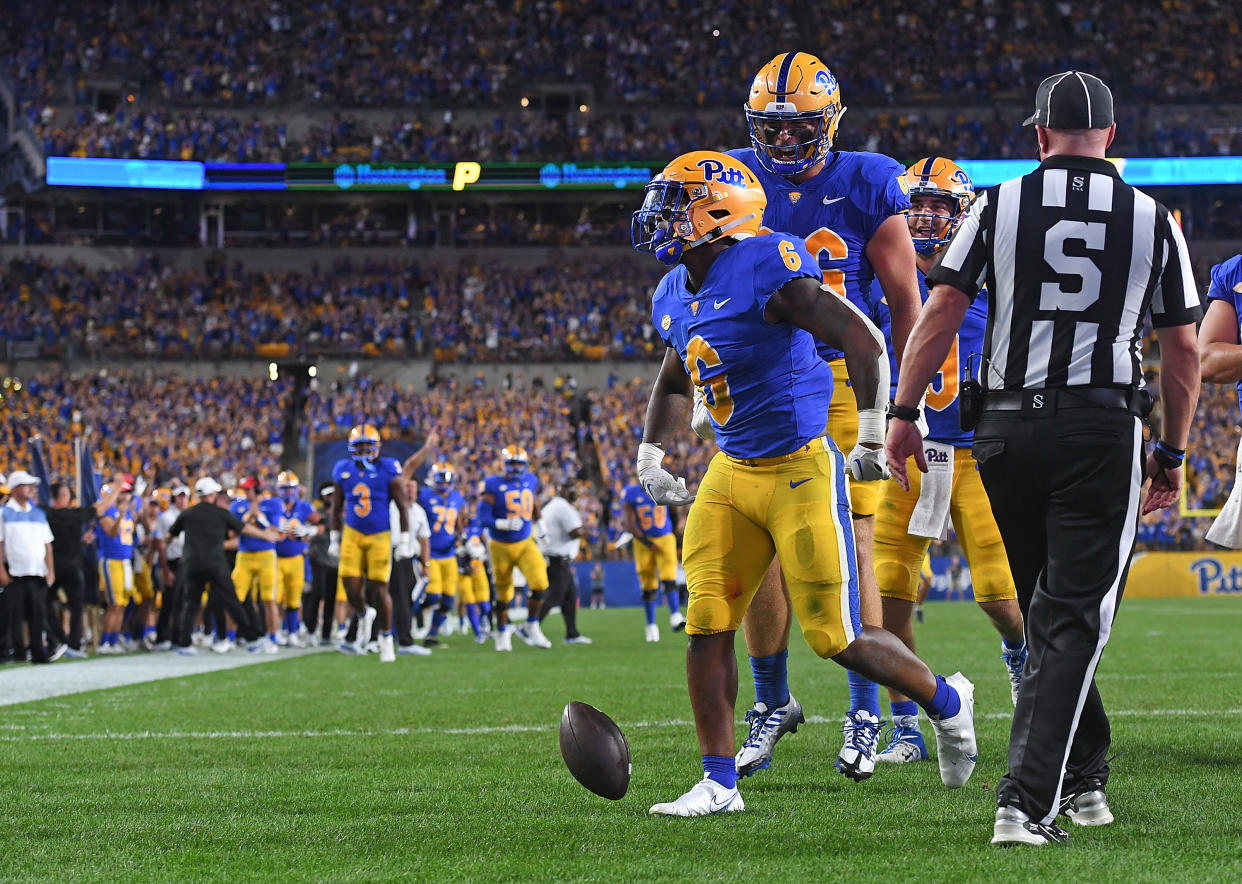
x=447 y=768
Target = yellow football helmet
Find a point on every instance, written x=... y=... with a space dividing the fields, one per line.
x=698 y=198
x=514 y=459
x=793 y=113
x=288 y=486
x=940 y=194
x=441 y=476
x=364 y=442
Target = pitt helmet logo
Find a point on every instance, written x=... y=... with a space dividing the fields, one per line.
x=1238 y=288
x=714 y=170
x=694 y=308
x=666 y=322
x=794 y=196
x=824 y=79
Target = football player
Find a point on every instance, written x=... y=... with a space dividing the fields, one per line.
x=365 y=482
x=443 y=504
x=907 y=521
x=1220 y=355
x=116 y=537
x=655 y=557
x=508 y=508
x=255 y=568
x=732 y=303
x=296 y=525
x=849 y=207
x=472 y=578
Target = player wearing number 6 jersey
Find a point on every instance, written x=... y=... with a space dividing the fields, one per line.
x=740 y=315
x=850 y=208
x=655 y=556
x=365 y=482
x=908 y=520
x=508 y=508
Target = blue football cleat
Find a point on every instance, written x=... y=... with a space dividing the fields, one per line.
x=1014 y=661
x=905 y=744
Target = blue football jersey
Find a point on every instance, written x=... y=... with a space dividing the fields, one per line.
x=365 y=488
x=442 y=512
x=292 y=516
x=1227 y=286
x=963 y=362
x=270 y=509
x=652 y=517
x=514 y=499
x=121 y=546
x=837 y=212
x=766 y=387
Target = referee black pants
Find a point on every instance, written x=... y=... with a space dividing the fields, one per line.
x=1065 y=492
x=563 y=591
x=170 y=604
x=218 y=580
x=69 y=579
x=400 y=588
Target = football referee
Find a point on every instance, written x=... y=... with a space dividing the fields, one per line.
x=1074 y=259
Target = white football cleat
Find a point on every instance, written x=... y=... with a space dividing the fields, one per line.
x=223 y=646
x=653 y=632
x=386 y=652
x=766 y=726
x=365 y=622
x=414 y=650
x=677 y=621
x=353 y=649
x=707 y=797
x=504 y=640
x=537 y=638
x=956 y=750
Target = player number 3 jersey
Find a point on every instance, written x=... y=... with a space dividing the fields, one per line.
x=365 y=487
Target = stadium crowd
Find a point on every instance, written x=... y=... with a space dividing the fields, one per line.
x=568 y=308
x=218 y=136
x=408 y=53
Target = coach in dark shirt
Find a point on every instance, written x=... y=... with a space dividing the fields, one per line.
x=67 y=523
x=1074 y=260
x=206 y=526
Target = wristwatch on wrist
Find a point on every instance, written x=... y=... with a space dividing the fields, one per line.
x=902 y=412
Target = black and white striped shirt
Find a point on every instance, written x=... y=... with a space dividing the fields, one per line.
x=1073 y=258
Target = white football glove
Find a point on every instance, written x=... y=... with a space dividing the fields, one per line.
x=867 y=464
x=659 y=482
x=334 y=544
x=701 y=420
x=514 y=524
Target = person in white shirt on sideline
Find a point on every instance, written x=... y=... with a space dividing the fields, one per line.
x=26 y=550
x=404 y=573
x=561 y=531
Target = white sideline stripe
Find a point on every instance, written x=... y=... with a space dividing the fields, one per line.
x=501 y=729
x=29 y=683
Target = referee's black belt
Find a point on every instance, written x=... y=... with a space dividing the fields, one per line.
x=1050 y=400
x=559 y=558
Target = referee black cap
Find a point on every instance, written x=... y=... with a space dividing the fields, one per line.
x=1072 y=100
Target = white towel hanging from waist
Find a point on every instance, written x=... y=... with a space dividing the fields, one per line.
x=931 y=514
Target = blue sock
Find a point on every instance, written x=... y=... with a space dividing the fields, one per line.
x=906 y=709
x=651 y=611
x=722 y=769
x=472 y=611
x=109 y=638
x=148 y=631
x=232 y=635
x=1009 y=646
x=485 y=609
x=437 y=621
x=431 y=600
x=864 y=693
x=295 y=620
x=946 y=703
x=673 y=601
x=771 y=674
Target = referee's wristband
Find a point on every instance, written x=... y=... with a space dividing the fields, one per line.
x=902 y=412
x=1167 y=456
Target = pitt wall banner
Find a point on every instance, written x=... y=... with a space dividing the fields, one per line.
x=1163 y=574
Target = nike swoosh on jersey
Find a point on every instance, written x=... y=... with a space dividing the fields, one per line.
x=828 y=201
x=719 y=304
x=793 y=484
